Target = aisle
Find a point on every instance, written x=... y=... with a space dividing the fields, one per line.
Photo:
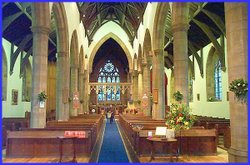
x=112 y=149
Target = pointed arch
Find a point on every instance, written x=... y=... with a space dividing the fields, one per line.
x=61 y=27
x=99 y=44
x=139 y=60
x=74 y=58
x=212 y=61
x=135 y=62
x=159 y=25
x=62 y=66
x=81 y=60
x=147 y=46
x=4 y=75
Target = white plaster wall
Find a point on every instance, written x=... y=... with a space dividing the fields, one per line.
x=73 y=19
x=14 y=82
x=148 y=23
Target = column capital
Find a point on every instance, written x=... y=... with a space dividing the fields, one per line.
x=62 y=54
x=180 y=27
x=158 y=52
x=144 y=63
x=135 y=73
x=40 y=29
x=74 y=67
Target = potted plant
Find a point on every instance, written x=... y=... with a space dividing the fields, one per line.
x=240 y=89
x=42 y=98
x=178 y=96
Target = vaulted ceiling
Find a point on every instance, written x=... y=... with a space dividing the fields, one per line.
x=127 y=15
x=207 y=23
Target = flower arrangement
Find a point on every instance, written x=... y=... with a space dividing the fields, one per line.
x=179 y=117
x=178 y=96
x=42 y=96
x=240 y=89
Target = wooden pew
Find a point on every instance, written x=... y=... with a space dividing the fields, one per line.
x=192 y=141
x=227 y=137
x=43 y=143
x=13 y=124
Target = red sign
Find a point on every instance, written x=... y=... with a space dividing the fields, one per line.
x=78 y=134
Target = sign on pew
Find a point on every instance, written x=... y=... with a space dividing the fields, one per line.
x=78 y=134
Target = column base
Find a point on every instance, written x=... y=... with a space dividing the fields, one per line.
x=39 y=118
x=237 y=155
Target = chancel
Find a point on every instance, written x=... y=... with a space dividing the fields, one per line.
x=94 y=81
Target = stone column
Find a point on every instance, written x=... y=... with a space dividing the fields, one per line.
x=74 y=88
x=158 y=74
x=135 y=85
x=146 y=86
x=60 y=79
x=66 y=87
x=81 y=91
x=140 y=85
x=180 y=41
x=237 y=55
x=39 y=74
x=86 y=92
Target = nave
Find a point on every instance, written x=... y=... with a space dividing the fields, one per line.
x=113 y=145
x=65 y=65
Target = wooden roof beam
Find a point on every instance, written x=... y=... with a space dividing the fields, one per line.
x=198 y=58
x=24 y=61
x=217 y=20
x=20 y=48
x=212 y=38
x=7 y=21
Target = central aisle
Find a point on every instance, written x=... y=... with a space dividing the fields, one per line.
x=112 y=149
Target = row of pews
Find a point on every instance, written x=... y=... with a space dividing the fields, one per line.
x=221 y=125
x=18 y=123
x=45 y=142
x=195 y=141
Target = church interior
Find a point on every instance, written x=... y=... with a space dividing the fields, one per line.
x=131 y=82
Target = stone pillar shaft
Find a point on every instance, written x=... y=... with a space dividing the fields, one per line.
x=74 y=88
x=158 y=84
x=135 y=85
x=81 y=92
x=237 y=56
x=146 y=87
x=140 y=86
x=180 y=42
x=86 y=92
x=39 y=74
x=60 y=76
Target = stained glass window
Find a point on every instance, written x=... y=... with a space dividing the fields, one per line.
x=217 y=81
x=108 y=74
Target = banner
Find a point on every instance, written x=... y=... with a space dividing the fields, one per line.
x=76 y=102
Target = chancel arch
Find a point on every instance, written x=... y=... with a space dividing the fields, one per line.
x=100 y=43
x=109 y=76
